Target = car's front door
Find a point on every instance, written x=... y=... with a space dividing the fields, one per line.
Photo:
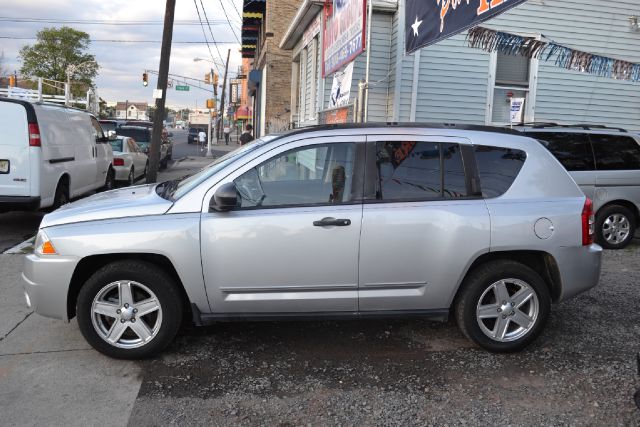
x=423 y=222
x=291 y=246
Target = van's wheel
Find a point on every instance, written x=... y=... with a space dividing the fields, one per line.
x=615 y=226
x=62 y=195
x=131 y=179
x=502 y=306
x=110 y=180
x=129 y=309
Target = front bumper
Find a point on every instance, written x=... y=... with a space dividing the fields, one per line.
x=46 y=283
x=579 y=269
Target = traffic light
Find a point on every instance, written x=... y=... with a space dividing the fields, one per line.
x=145 y=79
x=207 y=78
x=211 y=103
x=12 y=80
x=215 y=79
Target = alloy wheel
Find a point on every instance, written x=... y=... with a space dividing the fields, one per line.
x=616 y=228
x=126 y=314
x=507 y=310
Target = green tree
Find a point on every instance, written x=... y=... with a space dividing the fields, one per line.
x=58 y=51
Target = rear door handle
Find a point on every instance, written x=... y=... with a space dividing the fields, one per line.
x=339 y=222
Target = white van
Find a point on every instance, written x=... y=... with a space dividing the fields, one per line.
x=50 y=154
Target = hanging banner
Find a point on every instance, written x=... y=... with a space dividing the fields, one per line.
x=429 y=21
x=341 y=88
x=344 y=33
x=517 y=108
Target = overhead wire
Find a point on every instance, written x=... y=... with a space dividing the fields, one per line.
x=228 y=21
x=211 y=30
x=102 y=21
x=236 y=8
x=204 y=33
x=122 y=40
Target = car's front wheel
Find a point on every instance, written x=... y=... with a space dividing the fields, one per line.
x=129 y=310
x=503 y=306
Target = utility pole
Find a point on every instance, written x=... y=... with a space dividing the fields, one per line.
x=224 y=86
x=163 y=77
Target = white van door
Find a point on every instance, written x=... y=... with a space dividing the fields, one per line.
x=15 y=172
x=103 y=153
x=82 y=134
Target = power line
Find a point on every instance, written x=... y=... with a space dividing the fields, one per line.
x=204 y=33
x=102 y=21
x=123 y=41
x=210 y=29
x=237 y=11
x=230 y=26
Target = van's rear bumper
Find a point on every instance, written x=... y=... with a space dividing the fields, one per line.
x=19 y=203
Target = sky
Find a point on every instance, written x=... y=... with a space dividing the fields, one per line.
x=122 y=64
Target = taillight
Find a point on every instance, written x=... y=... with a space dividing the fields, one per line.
x=118 y=162
x=34 y=135
x=588 y=222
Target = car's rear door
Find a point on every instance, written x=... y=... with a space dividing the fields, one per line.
x=292 y=245
x=422 y=222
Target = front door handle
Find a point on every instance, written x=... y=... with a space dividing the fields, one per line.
x=339 y=222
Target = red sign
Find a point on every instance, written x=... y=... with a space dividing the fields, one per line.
x=336 y=116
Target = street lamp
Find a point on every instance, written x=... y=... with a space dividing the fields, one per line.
x=70 y=70
x=208 y=60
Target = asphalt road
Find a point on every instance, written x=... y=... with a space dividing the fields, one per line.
x=581 y=371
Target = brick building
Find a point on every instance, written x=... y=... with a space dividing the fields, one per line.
x=269 y=81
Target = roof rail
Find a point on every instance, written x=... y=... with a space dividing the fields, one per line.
x=584 y=126
x=481 y=128
x=587 y=126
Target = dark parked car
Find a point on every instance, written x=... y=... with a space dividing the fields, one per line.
x=142 y=136
x=193 y=133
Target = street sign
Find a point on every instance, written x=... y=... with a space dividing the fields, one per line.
x=241 y=76
x=182 y=88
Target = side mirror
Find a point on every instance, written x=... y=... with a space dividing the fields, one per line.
x=111 y=135
x=225 y=198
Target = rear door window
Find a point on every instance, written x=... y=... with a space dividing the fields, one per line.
x=615 y=152
x=417 y=170
x=497 y=168
x=571 y=149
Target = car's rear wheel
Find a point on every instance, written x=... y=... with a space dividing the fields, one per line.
x=503 y=306
x=132 y=178
x=146 y=167
x=615 y=226
x=129 y=310
x=61 y=196
x=110 y=180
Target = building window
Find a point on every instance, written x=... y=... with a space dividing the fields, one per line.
x=512 y=76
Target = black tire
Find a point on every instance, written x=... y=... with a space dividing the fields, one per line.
x=480 y=280
x=110 y=180
x=61 y=196
x=608 y=213
x=146 y=168
x=131 y=179
x=152 y=277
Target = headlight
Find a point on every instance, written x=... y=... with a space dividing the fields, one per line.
x=44 y=245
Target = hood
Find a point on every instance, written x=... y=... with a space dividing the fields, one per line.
x=126 y=202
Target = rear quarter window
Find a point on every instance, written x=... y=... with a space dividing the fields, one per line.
x=497 y=168
x=615 y=152
x=571 y=149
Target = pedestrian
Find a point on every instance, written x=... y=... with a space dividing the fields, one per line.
x=227 y=132
x=202 y=137
x=246 y=136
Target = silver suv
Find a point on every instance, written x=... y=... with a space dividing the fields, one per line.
x=605 y=162
x=350 y=221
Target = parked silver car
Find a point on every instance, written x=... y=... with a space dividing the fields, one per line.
x=605 y=162
x=481 y=224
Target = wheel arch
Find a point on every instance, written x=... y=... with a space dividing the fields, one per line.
x=541 y=262
x=627 y=204
x=89 y=265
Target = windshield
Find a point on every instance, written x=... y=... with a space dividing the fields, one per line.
x=116 y=144
x=142 y=136
x=178 y=188
x=107 y=126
